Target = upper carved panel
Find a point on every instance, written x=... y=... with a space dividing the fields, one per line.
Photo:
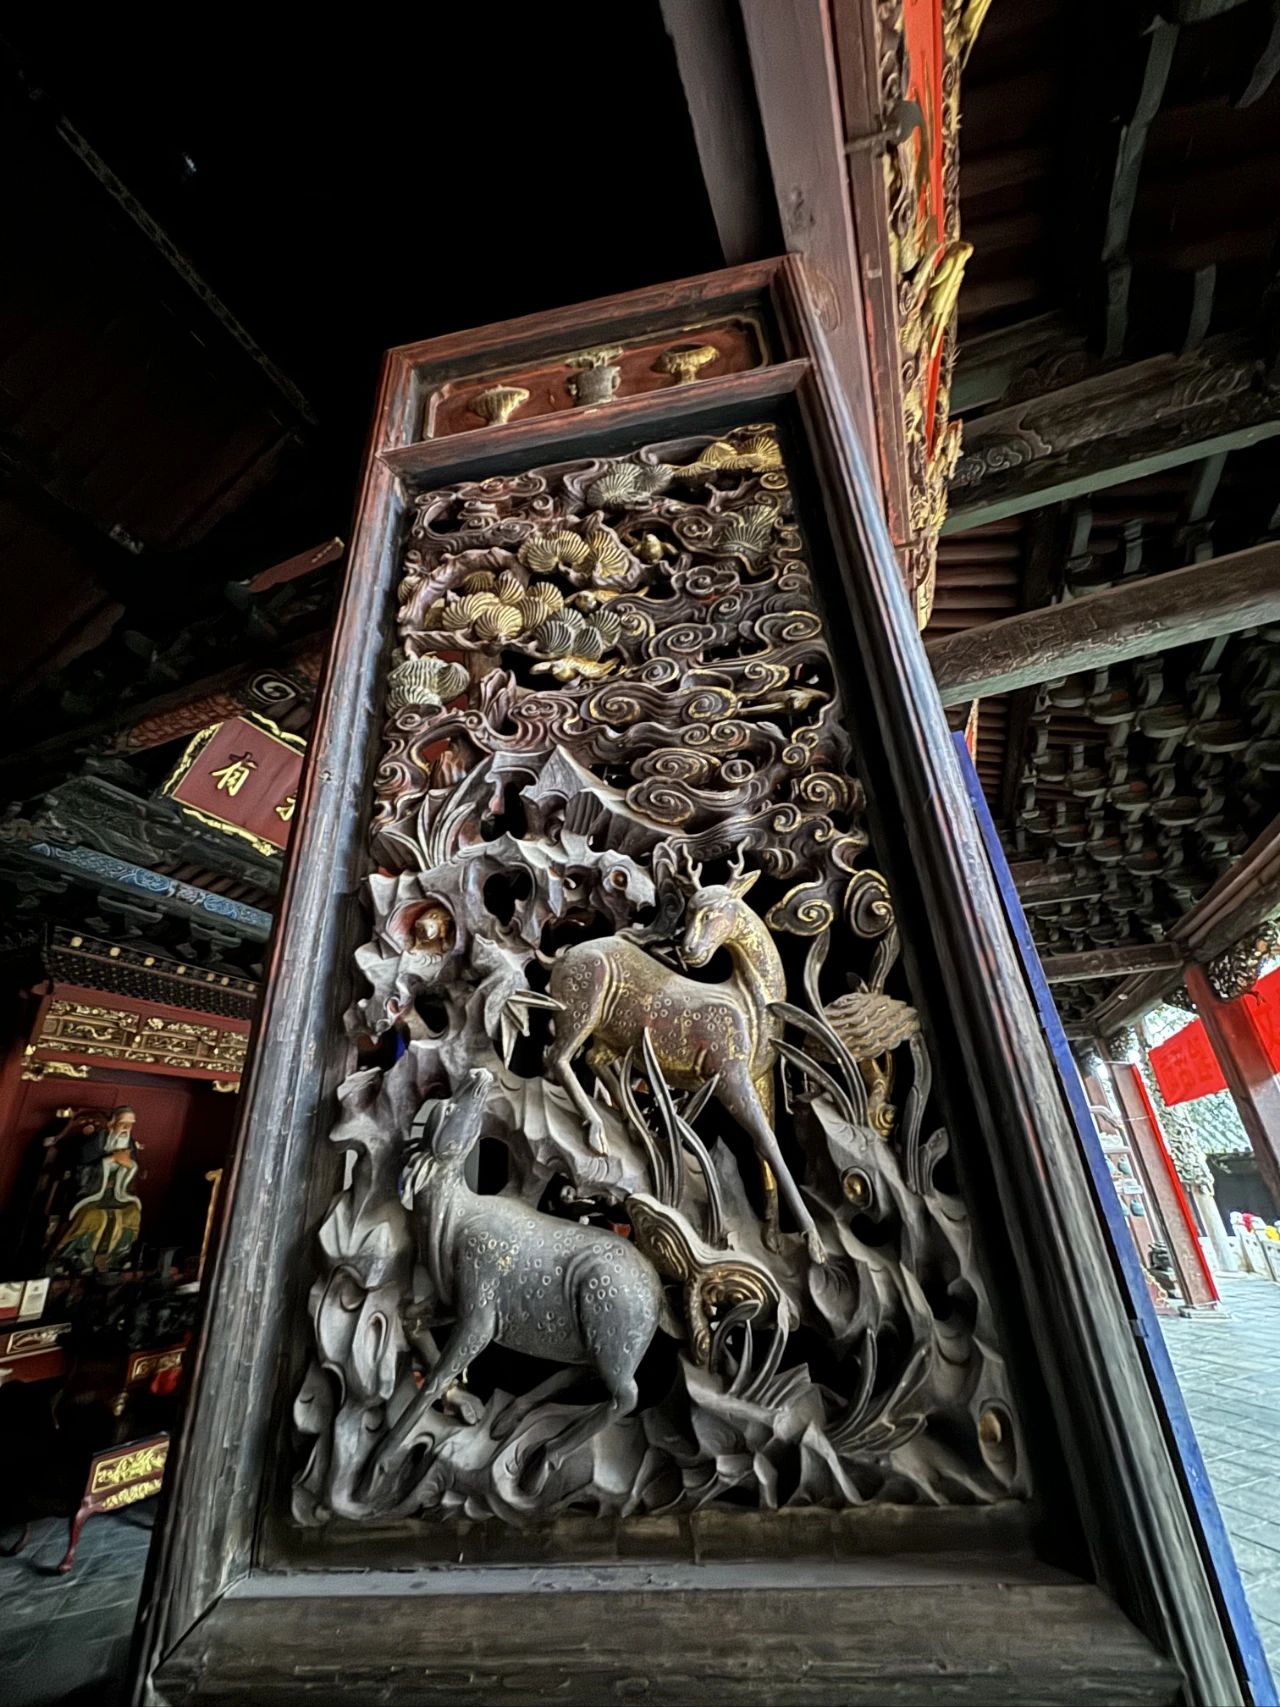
x=646 y=1203
x=584 y=378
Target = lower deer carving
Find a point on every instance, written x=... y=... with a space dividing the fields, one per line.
x=512 y=1276
x=610 y=992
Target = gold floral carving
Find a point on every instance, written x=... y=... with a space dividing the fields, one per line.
x=123 y=1034
x=131 y=1496
x=929 y=263
x=150 y=1363
x=130 y=1466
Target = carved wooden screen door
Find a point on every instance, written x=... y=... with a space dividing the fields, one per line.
x=652 y=1179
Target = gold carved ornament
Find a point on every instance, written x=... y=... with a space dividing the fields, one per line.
x=81 y=1028
x=130 y=1467
x=711 y=757
x=131 y=1495
x=930 y=264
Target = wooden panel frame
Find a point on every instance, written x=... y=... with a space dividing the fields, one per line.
x=1079 y=1371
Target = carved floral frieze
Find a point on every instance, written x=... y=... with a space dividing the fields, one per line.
x=645 y=1204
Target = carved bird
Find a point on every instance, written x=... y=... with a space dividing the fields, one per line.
x=869 y=1023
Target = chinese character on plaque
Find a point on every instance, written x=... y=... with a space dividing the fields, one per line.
x=241 y=776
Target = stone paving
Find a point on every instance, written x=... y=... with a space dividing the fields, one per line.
x=1228 y=1367
x=67 y=1638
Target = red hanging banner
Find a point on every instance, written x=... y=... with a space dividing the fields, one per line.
x=1186 y=1066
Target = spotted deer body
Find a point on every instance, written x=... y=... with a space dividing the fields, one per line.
x=512 y=1276
x=610 y=992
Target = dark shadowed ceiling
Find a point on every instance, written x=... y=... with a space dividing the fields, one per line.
x=213 y=237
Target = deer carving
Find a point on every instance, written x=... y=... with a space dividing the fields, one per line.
x=610 y=991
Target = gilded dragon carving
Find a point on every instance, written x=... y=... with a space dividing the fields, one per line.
x=644 y=1096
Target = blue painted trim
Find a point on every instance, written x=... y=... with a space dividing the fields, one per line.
x=1220 y=1561
x=252 y=920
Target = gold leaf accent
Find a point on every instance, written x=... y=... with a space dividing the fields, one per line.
x=685 y=361
x=546 y=551
x=499 y=622
x=498 y=404
x=609 y=556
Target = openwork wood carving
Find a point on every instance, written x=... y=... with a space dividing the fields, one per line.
x=644 y=1203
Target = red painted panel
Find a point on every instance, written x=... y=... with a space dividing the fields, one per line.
x=245 y=778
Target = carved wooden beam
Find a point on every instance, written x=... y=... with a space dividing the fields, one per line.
x=1238 y=902
x=1112 y=962
x=1028 y=359
x=1135 y=997
x=1132 y=620
x=1055 y=891
x=1116 y=426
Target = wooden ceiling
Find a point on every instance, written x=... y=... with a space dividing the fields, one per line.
x=1120 y=183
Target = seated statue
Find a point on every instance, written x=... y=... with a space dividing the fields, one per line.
x=100 y=1227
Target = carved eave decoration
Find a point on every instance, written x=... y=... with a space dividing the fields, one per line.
x=1235 y=972
x=911 y=141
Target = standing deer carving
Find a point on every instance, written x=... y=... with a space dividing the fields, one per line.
x=610 y=991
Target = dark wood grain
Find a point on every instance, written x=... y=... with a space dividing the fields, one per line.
x=1132 y=620
x=216 y=1470
x=519 y=444
x=886 y=1641
x=804 y=134
x=712 y=60
x=1112 y=962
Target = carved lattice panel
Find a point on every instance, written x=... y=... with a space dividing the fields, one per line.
x=647 y=1205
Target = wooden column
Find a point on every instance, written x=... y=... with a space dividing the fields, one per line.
x=1166 y=1191
x=1254 y=1087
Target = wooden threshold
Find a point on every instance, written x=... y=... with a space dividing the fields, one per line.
x=892 y=1630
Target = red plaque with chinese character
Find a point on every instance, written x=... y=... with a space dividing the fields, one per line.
x=242 y=776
